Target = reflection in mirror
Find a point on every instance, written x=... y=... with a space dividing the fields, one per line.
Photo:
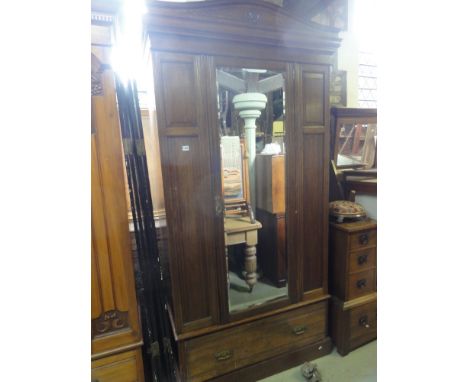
x=251 y=106
x=357 y=145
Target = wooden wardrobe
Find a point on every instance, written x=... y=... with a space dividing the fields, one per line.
x=115 y=329
x=190 y=42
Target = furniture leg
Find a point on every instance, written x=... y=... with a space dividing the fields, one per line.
x=250 y=265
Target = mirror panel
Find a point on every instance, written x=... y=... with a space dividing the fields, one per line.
x=251 y=108
x=356 y=144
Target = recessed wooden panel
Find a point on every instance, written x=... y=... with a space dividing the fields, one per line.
x=184 y=134
x=190 y=189
x=313 y=90
x=313 y=210
x=178 y=91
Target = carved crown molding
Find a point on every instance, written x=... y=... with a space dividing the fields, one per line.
x=240 y=20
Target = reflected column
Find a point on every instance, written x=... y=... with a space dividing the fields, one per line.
x=250 y=106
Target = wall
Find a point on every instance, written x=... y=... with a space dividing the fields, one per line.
x=348 y=60
x=348 y=57
x=369 y=202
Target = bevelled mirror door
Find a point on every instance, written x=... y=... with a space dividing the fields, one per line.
x=251 y=115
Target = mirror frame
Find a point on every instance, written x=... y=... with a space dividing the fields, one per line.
x=342 y=115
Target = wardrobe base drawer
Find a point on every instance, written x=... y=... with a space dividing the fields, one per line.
x=230 y=349
x=353 y=323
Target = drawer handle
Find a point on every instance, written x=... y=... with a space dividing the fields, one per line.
x=362 y=259
x=363 y=239
x=361 y=283
x=223 y=355
x=298 y=330
x=363 y=321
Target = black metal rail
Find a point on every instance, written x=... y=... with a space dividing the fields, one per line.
x=158 y=355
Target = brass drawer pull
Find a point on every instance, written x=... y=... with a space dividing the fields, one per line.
x=363 y=239
x=361 y=283
x=223 y=355
x=362 y=259
x=298 y=330
x=363 y=321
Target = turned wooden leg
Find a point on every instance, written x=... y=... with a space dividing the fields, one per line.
x=250 y=265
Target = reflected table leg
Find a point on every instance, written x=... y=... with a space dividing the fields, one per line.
x=243 y=231
x=250 y=265
x=250 y=262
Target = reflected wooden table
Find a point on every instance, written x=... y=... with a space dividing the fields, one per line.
x=239 y=230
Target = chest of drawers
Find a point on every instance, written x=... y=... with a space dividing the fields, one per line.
x=353 y=284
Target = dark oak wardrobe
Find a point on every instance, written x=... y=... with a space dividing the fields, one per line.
x=204 y=55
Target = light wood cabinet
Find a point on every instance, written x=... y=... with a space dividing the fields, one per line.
x=122 y=367
x=115 y=328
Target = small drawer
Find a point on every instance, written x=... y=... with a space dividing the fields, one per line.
x=123 y=367
x=361 y=283
x=363 y=324
x=362 y=260
x=218 y=353
x=363 y=239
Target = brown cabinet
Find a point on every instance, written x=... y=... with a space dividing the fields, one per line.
x=203 y=54
x=115 y=329
x=353 y=283
x=272 y=258
x=270 y=183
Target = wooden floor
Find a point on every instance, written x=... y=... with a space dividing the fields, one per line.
x=359 y=365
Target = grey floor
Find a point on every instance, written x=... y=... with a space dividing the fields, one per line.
x=240 y=298
x=359 y=365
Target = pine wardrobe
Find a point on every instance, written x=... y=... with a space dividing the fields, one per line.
x=236 y=80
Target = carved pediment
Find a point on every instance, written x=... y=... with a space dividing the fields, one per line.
x=237 y=19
